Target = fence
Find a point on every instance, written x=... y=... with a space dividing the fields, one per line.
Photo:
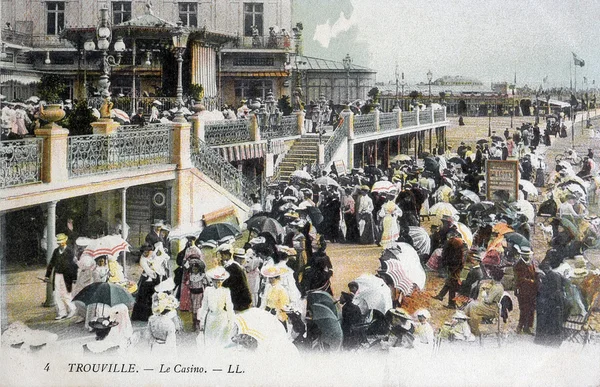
x=98 y=154
x=20 y=162
x=388 y=121
x=409 y=119
x=364 y=124
x=226 y=132
x=286 y=126
x=425 y=116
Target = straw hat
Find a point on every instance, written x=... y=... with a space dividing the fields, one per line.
x=271 y=271
x=225 y=248
x=61 y=237
x=156 y=102
x=217 y=274
x=423 y=312
x=239 y=253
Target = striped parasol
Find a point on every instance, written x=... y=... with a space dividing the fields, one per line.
x=120 y=116
x=108 y=245
x=393 y=268
x=383 y=186
x=421 y=240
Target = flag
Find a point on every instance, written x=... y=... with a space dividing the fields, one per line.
x=578 y=62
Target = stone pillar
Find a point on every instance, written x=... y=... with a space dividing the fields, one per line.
x=124 y=230
x=432 y=116
x=417 y=109
x=50 y=246
x=398 y=112
x=181 y=145
x=348 y=117
x=300 y=117
x=54 y=153
x=377 y=112
x=254 y=128
x=105 y=126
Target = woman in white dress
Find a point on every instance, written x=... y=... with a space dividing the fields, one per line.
x=216 y=314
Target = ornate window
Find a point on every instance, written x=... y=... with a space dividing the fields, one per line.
x=121 y=11
x=55 y=16
x=252 y=88
x=253 y=16
x=188 y=14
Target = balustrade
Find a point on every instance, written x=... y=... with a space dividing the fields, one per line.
x=97 y=154
x=388 y=121
x=409 y=119
x=364 y=124
x=20 y=162
x=286 y=126
x=334 y=142
x=425 y=116
x=227 y=132
x=439 y=115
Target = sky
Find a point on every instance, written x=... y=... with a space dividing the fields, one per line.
x=484 y=39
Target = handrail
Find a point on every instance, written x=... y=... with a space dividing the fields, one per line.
x=286 y=126
x=212 y=164
x=20 y=162
x=227 y=132
x=335 y=141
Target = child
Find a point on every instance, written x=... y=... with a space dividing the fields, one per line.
x=100 y=273
x=197 y=282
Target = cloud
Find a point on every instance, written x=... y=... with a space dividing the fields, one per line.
x=325 y=32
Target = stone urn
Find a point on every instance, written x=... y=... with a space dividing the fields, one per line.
x=197 y=108
x=51 y=113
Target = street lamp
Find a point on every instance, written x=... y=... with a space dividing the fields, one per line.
x=180 y=39
x=489 y=120
x=347 y=61
x=512 y=115
x=429 y=77
x=103 y=38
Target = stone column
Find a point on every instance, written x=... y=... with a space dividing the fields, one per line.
x=50 y=246
x=105 y=126
x=417 y=109
x=376 y=112
x=180 y=154
x=348 y=117
x=398 y=112
x=300 y=116
x=254 y=128
x=54 y=153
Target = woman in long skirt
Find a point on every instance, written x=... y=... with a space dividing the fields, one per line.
x=389 y=213
x=216 y=314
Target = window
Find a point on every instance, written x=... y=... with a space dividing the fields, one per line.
x=55 y=17
x=188 y=14
x=252 y=89
x=121 y=11
x=253 y=16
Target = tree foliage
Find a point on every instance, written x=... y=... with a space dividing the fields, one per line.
x=79 y=120
x=285 y=105
x=51 y=88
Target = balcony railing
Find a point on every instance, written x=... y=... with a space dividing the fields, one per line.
x=98 y=154
x=388 y=121
x=439 y=115
x=227 y=132
x=335 y=141
x=409 y=119
x=20 y=162
x=263 y=42
x=212 y=164
x=425 y=116
x=364 y=124
x=286 y=126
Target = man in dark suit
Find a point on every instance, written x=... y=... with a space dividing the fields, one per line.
x=237 y=281
x=65 y=273
x=155 y=235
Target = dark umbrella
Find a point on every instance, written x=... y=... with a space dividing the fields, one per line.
x=315 y=215
x=329 y=325
x=323 y=298
x=430 y=164
x=457 y=160
x=497 y=138
x=482 y=141
x=104 y=293
x=265 y=224
x=517 y=239
x=219 y=230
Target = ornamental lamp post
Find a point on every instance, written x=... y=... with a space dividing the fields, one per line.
x=103 y=38
x=429 y=78
x=489 y=111
x=180 y=39
x=347 y=62
x=512 y=115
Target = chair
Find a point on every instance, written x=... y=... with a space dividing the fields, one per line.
x=576 y=329
x=505 y=305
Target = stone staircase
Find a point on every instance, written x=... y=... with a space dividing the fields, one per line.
x=305 y=150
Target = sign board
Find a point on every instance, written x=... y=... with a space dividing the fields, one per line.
x=340 y=167
x=502 y=175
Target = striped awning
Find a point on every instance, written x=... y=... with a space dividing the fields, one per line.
x=250 y=151
x=23 y=78
x=260 y=74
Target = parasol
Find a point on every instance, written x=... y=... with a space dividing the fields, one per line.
x=181 y=232
x=383 y=186
x=466 y=233
x=373 y=292
x=529 y=187
x=108 y=245
x=322 y=298
x=403 y=260
x=327 y=181
x=263 y=223
x=443 y=208
x=482 y=141
x=402 y=158
x=120 y=116
x=302 y=175
x=104 y=293
x=497 y=138
x=421 y=240
x=517 y=239
x=33 y=99
x=218 y=231
x=472 y=196
x=457 y=160
x=526 y=209
x=329 y=325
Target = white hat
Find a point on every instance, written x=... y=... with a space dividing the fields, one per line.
x=257 y=240
x=165 y=286
x=218 y=273
x=156 y=102
x=225 y=247
x=459 y=315
x=423 y=312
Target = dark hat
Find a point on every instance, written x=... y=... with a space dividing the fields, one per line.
x=146 y=247
x=103 y=323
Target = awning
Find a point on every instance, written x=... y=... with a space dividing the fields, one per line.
x=20 y=78
x=557 y=103
x=263 y=74
x=250 y=151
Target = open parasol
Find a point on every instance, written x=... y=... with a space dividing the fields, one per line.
x=263 y=223
x=109 y=245
x=327 y=181
x=470 y=195
x=219 y=230
x=402 y=158
x=383 y=186
x=104 y=293
x=373 y=292
x=443 y=208
x=529 y=187
x=402 y=263
x=302 y=175
x=421 y=239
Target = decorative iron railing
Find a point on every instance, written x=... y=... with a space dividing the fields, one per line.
x=388 y=121
x=409 y=119
x=212 y=164
x=20 y=162
x=425 y=116
x=278 y=42
x=286 y=126
x=336 y=140
x=227 y=132
x=439 y=115
x=364 y=124
x=97 y=154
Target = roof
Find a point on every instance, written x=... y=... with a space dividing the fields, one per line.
x=148 y=20
x=319 y=64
